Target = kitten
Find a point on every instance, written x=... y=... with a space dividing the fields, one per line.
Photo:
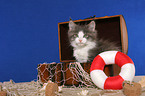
x=86 y=46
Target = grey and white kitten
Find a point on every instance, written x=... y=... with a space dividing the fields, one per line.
x=86 y=46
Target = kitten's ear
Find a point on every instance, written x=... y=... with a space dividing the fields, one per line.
x=92 y=25
x=71 y=25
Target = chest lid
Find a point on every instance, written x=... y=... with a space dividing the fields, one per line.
x=112 y=28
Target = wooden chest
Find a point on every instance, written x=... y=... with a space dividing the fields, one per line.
x=112 y=28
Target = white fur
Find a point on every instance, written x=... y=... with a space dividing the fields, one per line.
x=81 y=34
x=80 y=40
x=77 y=41
x=81 y=53
x=81 y=48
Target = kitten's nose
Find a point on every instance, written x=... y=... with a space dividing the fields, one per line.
x=80 y=40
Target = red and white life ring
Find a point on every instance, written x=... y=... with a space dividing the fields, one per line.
x=100 y=79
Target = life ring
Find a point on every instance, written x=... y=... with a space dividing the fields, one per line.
x=100 y=79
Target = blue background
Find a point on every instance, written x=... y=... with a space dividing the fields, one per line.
x=29 y=31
